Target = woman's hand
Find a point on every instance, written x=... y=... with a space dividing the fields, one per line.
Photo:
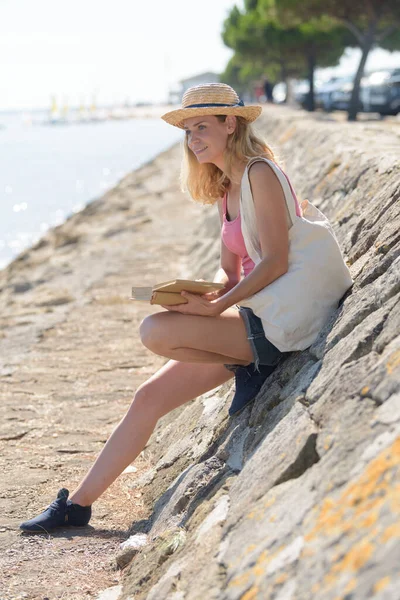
x=212 y=295
x=219 y=293
x=196 y=305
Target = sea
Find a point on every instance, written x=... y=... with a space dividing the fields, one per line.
x=50 y=171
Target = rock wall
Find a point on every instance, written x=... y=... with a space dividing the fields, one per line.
x=298 y=497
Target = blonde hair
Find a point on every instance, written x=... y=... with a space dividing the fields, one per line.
x=206 y=182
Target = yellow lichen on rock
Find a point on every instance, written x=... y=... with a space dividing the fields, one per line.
x=370 y=491
x=392 y=531
x=381 y=584
x=281 y=578
x=355 y=513
x=356 y=558
x=240 y=580
x=393 y=362
x=250 y=594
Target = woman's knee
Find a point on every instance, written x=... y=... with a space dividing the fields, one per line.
x=144 y=400
x=153 y=332
x=141 y=397
x=148 y=332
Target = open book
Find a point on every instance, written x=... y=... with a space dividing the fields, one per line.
x=169 y=292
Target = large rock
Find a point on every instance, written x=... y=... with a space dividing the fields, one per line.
x=297 y=496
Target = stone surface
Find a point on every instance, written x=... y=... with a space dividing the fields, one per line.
x=129 y=549
x=112 y=593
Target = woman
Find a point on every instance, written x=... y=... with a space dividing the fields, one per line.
x=208 y=337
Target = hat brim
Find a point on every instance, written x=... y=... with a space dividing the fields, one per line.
x=176 y=117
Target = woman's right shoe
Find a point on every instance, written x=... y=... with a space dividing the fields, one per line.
x=61 y=513
x=248 y=382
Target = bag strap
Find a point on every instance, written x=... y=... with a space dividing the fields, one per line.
x=289 y=199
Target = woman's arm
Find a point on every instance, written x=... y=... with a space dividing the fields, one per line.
x=272 y=224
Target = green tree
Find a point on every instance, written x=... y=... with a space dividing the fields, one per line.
x=282 y=44
x=241 y=73
x=260 y=47
x=319 y=42
x=371 y=23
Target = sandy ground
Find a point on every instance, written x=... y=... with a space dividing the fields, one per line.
x=71 y=359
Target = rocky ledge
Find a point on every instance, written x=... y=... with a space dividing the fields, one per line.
x=298 y=496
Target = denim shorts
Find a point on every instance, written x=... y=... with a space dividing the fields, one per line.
x=264 y=351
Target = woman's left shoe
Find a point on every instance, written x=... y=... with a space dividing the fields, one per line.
x=61 y=513
x=248 y=383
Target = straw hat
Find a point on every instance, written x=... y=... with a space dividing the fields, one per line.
x=211 y=99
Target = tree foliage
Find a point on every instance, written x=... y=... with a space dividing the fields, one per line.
x=286 y=47
x=370 y=23
x=241 y=74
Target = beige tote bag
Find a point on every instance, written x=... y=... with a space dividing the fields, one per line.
x=294 y=308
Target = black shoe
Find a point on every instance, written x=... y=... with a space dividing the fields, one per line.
x=248 y=383
x=61 y=513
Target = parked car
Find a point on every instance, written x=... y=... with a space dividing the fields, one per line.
x=342 y=94
x=336 y=94
x=300 y=91
x=332 y=94
x=381 y=92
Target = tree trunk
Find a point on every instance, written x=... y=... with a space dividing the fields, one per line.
x=369 y=40
x=311 y=69
x=355 y=95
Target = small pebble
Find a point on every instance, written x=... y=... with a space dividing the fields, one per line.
x=130 y=469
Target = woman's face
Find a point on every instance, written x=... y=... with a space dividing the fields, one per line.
x=207 y=137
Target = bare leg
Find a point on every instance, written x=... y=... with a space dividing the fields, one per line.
x=173 y=385
x=191 y=338
x=201 y=344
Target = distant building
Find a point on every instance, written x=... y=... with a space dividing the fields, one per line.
x=177 y=92
x=174 y=94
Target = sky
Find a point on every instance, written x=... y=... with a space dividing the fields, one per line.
x=113 y=51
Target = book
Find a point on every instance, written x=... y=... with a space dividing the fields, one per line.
x=169 y=292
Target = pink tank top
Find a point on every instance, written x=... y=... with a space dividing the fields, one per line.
x=232 y=236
